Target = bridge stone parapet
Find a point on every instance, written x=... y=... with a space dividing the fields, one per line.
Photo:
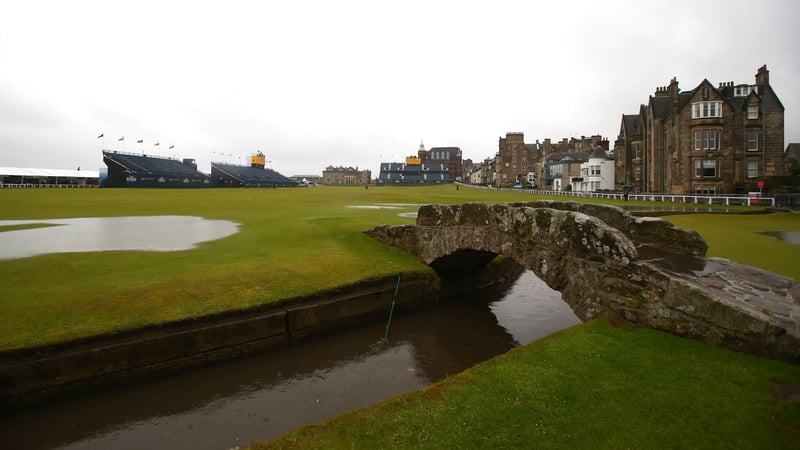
x=643 y=230
x=607 y=262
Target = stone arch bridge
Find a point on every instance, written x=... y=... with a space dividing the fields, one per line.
x=608 y=262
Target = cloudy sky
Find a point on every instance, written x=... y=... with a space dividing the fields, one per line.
x=318 y=83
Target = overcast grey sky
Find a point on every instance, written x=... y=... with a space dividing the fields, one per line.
x=318 y=83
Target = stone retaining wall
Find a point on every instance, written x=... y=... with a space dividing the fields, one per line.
x=31 y=375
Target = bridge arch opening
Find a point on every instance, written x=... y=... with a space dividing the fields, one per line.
x=516 y=296
x=466 y=271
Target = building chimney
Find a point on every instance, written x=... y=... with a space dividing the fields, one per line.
x=674 y=90
x=762 y=77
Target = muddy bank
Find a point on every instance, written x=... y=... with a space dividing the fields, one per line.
x=29 y=376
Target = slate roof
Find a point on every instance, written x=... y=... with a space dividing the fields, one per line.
x=660 y=106
x=599 y=152
x=684 y=97
x=574 y=157
x=629 y=123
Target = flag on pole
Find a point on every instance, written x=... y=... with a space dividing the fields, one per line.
x=101 y=135
x=156 y=144
x=171 y=146
x=121 y=139
x=139 y=141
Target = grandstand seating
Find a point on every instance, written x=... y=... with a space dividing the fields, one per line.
x=400 y=173
x=132 y=170
x=232 y=175
x=150 y=164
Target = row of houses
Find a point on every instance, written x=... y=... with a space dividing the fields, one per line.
x=572 y=163
x=709 y=140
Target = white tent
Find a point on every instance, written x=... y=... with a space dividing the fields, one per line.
x=22 y=176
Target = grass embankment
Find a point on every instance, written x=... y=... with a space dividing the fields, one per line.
x=590 y=386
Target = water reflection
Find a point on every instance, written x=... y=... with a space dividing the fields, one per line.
x=263 y=396
x=146 y=233
x=679 y=262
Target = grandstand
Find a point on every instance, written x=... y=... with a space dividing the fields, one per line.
x=414 y=172
x=254 y=175
x=132 y=170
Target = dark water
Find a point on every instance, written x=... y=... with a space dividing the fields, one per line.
x=260 y=397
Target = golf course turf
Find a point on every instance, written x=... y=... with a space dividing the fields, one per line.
x=592 y=385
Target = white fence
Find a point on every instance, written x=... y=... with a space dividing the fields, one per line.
x=725 y=200
x=45 y=186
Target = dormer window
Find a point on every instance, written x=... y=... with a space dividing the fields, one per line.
x=702 y=110
x=752 y=111
x=744 y=90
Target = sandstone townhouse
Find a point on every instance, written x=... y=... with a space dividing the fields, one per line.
x=709 y=140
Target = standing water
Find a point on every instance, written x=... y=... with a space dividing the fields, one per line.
x=233 y=403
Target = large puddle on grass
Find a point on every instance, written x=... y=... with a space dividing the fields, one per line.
x=792 y=237
x=143 y=233
x=233 y=403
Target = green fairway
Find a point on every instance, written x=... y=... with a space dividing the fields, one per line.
x=591 y=385
x=292 y=242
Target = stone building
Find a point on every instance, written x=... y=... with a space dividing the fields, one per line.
x=550 y=153
x=561 y=168
x=448 y=156
x=710 y=140
x=515 y=160
x=335 y=176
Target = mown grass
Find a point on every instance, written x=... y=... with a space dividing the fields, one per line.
x=292 y=242
x=590 y=386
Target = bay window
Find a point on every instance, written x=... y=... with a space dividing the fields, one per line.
x=706 y=109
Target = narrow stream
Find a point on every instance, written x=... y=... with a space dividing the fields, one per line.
x=260 y=397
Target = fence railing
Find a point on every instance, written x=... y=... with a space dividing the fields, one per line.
x=45 y=185
x=725 y=200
